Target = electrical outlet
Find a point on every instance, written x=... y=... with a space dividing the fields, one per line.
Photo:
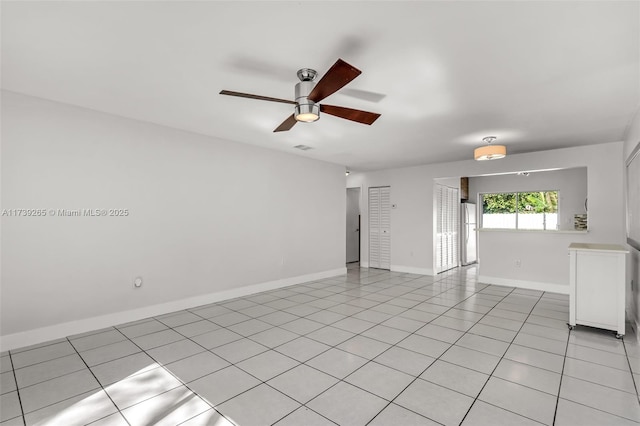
x=518 y=263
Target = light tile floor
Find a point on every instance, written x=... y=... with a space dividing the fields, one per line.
x=370 y=347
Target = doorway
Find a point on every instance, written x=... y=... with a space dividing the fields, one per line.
x=353 y=225
x=380 y=227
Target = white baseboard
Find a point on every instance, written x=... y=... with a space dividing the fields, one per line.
x=529 y=285
x=44 y=334
x=412 y=270
x=364 y=264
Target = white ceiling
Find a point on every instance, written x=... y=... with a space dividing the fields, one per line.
x=539 y=75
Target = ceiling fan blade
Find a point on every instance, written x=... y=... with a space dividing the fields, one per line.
x=356 y=115
x=338 y=76
x=258 y=97
x=286 y=124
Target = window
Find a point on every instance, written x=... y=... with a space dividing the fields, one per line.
x=520 y=210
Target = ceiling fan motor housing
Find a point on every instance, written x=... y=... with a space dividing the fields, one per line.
x=306 y=110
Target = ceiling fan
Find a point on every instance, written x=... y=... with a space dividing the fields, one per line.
x=308 y=94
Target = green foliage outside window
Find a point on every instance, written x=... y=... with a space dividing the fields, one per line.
x=526 y=202
x=498 y=203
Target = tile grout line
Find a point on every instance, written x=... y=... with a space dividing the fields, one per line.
x=99 y=384
x=341 y=380
x=381 y=341
x=126 y=338
x=631 y=369
x=231 y=364
x=304 y=363
x=599 y=362
x=283 y=343
x=491 y=374
x=498 y=363
x=442 y=284
x=596 y=383
x=438 y=358
x=160 y=365
x=328 y=325
x=15 y=378
x=224 y=327
x=564 y=362
x=299 y=363
x=37 y=346
x=42 y=362
x=600 y=410
x=57 y=377
x=107 y=330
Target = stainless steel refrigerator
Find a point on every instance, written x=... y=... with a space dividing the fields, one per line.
x=468 y=242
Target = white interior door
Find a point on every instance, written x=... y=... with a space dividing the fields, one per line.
x=448 y=225
x=380 y=227
x=353 y=225
x=385 y=227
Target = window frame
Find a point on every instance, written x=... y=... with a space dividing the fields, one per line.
x=517 y=214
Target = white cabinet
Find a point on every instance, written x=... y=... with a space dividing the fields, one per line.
x=597 y=286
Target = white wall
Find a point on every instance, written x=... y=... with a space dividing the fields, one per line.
x=571 y=185
x=411 y=231
x=412 y=223
x=451 y=182
x=632 y=140
x=207 y=217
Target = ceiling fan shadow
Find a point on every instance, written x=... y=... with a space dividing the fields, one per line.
x=364 y=95
x=351 y=46
x=264 y=68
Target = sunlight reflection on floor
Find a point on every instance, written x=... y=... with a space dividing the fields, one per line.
x=135 y=395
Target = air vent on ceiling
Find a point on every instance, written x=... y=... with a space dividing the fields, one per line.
x=303 y=147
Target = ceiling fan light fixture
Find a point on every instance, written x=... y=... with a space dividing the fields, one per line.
x=307 y=113
x=490 y=152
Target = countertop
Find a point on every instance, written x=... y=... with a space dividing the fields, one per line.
x=597 y=247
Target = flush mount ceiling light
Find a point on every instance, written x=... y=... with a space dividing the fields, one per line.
x=347 y=172
x=490 y=152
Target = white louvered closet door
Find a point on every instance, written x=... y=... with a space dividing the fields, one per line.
x=380 y=227
x=438 y=200
x=448 y=225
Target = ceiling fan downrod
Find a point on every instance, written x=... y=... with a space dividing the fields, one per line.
x=306 y=110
